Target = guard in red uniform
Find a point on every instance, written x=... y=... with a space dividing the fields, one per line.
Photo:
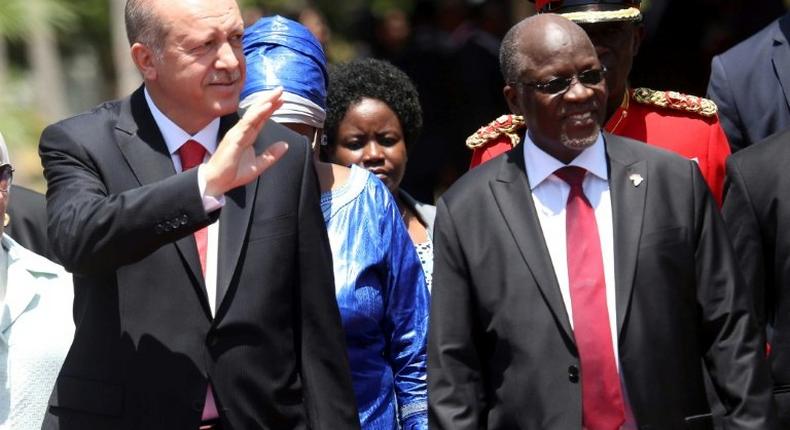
x=684 y=124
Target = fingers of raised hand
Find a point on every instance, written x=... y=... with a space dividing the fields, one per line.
x=243 y=134
x=260 y=111
x=270 y=156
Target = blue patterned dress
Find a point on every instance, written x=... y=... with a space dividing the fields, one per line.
x=383 y=303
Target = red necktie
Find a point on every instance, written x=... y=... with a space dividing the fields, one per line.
x=602 y=402
x=192 y=154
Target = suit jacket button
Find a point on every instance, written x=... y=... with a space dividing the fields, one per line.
x=212 y=340
x=573 y=374
x=183 y=220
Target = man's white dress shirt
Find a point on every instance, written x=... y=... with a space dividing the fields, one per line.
x=174 y=137
x=550 y=194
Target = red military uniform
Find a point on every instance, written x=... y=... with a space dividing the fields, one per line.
x=684 y=124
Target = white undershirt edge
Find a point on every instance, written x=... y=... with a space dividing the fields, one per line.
x=550 y=194
x=174 y=137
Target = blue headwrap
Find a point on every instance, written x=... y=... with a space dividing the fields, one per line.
x=282 y=52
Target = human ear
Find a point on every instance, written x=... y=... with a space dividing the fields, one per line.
x=511 y=94
x=145 y=60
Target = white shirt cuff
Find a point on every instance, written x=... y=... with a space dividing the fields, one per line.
x=210 y=203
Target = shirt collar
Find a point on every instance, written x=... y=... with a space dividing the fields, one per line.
x=175 y=136
x=540 y=165
x=27 y=259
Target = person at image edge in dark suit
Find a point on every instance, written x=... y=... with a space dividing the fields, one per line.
x=581 y=278
x=27 y=221
x=203 y=295
x=750 y=83
x=756 y=210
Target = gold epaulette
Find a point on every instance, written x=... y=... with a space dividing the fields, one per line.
x=506 y=125
x=675 y=100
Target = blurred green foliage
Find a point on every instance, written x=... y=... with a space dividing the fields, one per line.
x=19 y=17
x=21 y=128
x=91 y=27
x=20 y=123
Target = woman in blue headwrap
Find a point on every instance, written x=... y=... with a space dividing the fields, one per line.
x=379 y=283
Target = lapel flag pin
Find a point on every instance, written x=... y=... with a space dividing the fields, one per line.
x=636 y=179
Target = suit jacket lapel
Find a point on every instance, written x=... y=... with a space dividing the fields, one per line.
x=781 y=57
x=143 y=146
x=628 y=184
x=233 y=226
x=514 y=199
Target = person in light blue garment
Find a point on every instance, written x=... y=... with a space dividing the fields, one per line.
x=36 y=326
x=379 y=282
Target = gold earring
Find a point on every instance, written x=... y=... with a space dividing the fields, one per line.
x=6 y=220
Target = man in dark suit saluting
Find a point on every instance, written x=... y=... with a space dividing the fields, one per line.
x=202 y=270
x=581 y=277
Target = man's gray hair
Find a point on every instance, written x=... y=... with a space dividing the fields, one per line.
x=143 y=25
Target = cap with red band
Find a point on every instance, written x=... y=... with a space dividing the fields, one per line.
x=592 y=11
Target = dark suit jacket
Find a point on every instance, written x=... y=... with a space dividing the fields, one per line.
x=750 y=83
x=757 y=211
x=146 y=345
x=501 y=351
x=28 y=226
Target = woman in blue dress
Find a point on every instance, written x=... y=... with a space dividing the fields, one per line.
x=379 y=283
x=373 y=118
